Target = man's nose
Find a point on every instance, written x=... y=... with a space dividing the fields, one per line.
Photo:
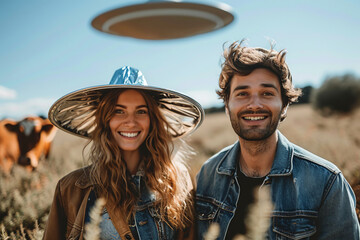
x=255 y=103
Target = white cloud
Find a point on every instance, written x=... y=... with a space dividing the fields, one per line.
x=19 y=110
x=7 y=93
x=207 y=98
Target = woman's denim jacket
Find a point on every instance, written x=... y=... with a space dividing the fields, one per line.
x=312 y=199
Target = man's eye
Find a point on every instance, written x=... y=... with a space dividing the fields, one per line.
x=268 y=94
x=242 y=94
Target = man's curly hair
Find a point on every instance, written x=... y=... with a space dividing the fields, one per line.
x=243 y=60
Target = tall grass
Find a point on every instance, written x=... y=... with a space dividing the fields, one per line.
x=92 y=229
x=25 y=198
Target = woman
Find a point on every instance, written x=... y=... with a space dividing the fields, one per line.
x=132 y=126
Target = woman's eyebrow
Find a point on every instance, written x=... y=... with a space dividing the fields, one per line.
x=123 y=106
x=142 y=106
x=119 y=105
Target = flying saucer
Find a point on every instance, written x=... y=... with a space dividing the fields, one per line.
x=160 y=20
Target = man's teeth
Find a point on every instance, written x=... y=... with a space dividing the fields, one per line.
x=129 y=134
x=254 y=118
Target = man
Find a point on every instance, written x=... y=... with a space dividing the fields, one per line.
x=312 y=199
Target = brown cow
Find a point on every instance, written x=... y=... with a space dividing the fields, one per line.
x=24 y=142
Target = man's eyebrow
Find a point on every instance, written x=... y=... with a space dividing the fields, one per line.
x=266 y=85
x=270 y=85
x=241 y=87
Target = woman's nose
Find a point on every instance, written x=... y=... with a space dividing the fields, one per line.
x=130 y=120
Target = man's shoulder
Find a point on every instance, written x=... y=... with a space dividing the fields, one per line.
x=210 y=166
x=313 y=159
x=214 y=159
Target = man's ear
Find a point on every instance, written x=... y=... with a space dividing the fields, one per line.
x=227 y=111
x=284 y=112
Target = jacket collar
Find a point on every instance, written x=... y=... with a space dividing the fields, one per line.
x=84 y=180
x=228 y=162
x=283 y=162
x=282 y=165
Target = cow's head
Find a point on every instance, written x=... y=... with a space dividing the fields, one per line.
x=35 y=135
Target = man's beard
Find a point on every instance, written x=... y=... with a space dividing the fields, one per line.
x=254 y=133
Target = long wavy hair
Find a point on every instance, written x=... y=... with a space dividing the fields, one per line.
x=167 y=178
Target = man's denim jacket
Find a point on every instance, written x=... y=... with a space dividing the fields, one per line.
x=312 y=199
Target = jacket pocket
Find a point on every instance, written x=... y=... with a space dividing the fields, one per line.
x=164 y=230
x=294 y=226
x=74 y=232
x=206 y=210
x=206 y=213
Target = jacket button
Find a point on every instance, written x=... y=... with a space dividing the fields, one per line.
x=127 y=236
x=142 y=223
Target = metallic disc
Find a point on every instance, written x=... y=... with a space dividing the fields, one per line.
x=160 y=20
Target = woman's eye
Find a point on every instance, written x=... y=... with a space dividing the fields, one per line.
x=142 y=111
x=119 y=111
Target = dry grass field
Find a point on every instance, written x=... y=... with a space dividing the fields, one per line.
x=336 y=138
x=25 y=198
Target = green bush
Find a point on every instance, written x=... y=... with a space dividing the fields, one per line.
x=339 y=94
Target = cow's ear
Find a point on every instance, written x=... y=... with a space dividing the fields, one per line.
x=12 y=127
x=47 y=127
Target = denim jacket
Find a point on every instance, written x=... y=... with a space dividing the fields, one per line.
x=67 y=214
x=312 y=199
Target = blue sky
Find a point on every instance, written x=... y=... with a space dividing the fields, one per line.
x=48 y=48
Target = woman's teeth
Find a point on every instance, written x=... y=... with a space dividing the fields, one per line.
x=129 y=134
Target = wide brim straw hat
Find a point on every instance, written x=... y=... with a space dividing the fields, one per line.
x=75 y=112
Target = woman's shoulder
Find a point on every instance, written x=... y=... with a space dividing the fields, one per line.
x=80 y=177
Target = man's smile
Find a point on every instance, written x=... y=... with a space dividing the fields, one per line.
x=253 y=118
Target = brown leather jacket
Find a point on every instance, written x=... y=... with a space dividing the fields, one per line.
x=67 y=213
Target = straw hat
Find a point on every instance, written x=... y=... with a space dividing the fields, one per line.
x=74 y=112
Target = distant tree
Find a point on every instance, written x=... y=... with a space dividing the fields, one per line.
x=214 y=109
x=338 y=94
x=305 y=96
